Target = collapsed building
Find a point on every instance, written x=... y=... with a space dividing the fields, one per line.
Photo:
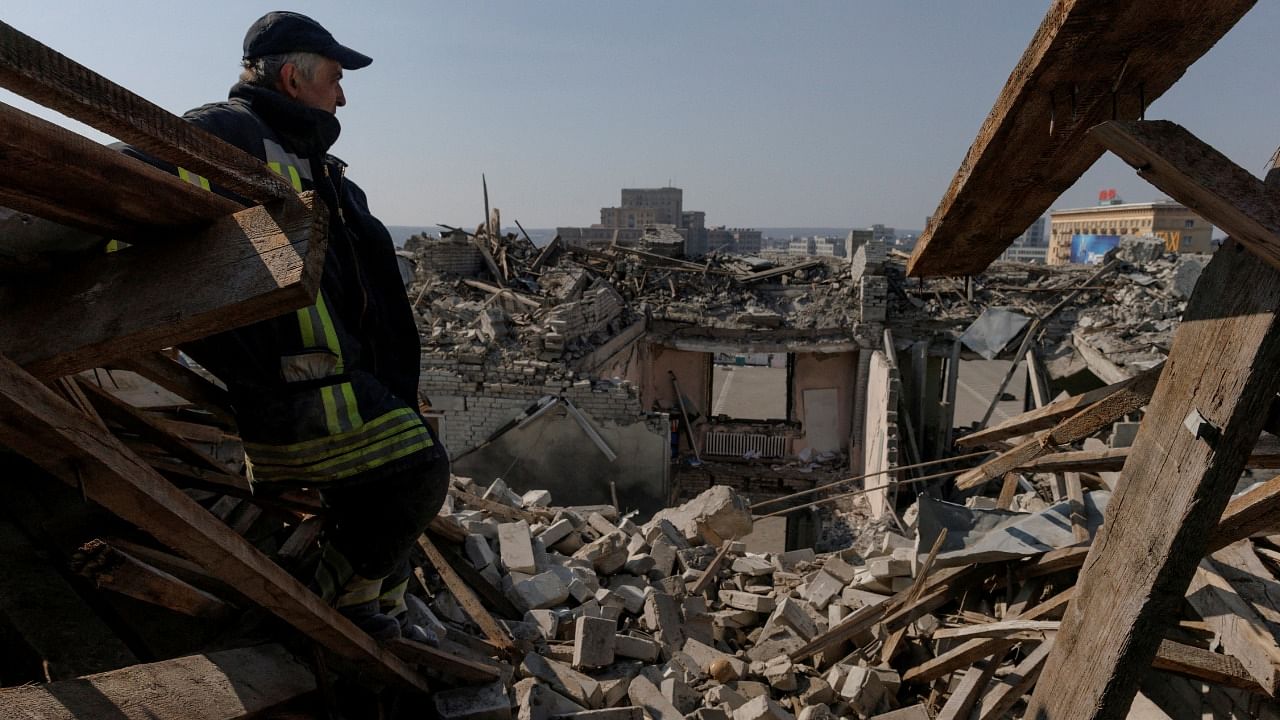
x=1107 y=555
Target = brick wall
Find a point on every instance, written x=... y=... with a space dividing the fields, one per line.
x=452 y=254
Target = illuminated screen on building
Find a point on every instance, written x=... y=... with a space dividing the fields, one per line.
x=1089 y=249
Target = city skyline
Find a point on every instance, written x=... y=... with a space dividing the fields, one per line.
x=826 y=114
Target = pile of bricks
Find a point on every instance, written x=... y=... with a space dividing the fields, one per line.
x=669 y=619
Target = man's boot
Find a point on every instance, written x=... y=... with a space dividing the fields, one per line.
x=353 y=596
x=392 y=603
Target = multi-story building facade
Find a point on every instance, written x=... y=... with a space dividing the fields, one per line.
x=1080 y=234
x=667 y=203
x=1031 y=246
x=648 y=210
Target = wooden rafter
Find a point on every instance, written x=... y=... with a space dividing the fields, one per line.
x=1203 y=419
x=1090 y=61
x=40 y=425
x=255 y=264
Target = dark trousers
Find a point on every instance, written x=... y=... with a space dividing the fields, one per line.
x=375 y=524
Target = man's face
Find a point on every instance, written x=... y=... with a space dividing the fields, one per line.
x=323 y=90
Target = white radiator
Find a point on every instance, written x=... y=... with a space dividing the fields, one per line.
x=739 y=444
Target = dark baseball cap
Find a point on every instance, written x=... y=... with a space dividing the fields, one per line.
x=282 y=32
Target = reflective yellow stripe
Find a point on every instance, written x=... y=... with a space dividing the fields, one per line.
x=392 y=421
x=352 y=463
x=330 y=334
x=113 y=246
x=330 y=401
x=359 y=590
x=287 y=171
x=193 y=178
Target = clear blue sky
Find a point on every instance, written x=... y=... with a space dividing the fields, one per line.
x=818 y=113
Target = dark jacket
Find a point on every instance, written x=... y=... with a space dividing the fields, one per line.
x=327 y=393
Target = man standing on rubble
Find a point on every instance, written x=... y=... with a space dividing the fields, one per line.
x=326 y=397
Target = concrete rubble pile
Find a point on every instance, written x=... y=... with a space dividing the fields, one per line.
x=1124 y=318
x=558 y=303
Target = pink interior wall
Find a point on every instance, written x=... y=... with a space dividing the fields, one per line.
x=692 y=369
x=814 y=371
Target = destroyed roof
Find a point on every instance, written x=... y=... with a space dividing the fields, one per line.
x=1116 y=320
x=558 y=303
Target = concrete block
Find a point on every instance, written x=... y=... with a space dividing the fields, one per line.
x=840 y=570
x=645 y=694
x=487 y=702
x=747 y=601
x=548 y=622
x=680 y=694
x=593 y=642
x=752 y=565
x=708 y=658
x=563 y=679
x=516 y=547
x=556 y=532
x=478 y=551
x=721 y=694
x=607 y=554
x=664 y=556
x=863 y=690
x=544 y=590
x=795 y=614
x=821 y=588
x=888 y=567
x=815 y=712
x=638 y=648
x=915 y=712
x=632 y=598
x=716 y=515
x=536 y=498
x=789 y=561
x=538 y=701
x=762 y=708
x=817 y=692
x=662 y=617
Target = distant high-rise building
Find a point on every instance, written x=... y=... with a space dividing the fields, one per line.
x=881 y=232
x=1031 y=246
x=667 y=203
x=648 y=213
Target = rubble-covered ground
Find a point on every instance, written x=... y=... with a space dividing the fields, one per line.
x=558 y=303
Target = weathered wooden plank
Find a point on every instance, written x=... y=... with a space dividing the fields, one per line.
x=467 y=598
x=109 y=569
x=1034 y=143
x=58 y=175
x=959 y=705
x=1253 y=512
x=1206 y=665
x=1236 y=623
x=445 y=663
x=219 y=686
x=1051 y=414
x=1198 y=176
x=1173 y=490
x=61 y=630
x=1003 y=629
x=1077 y=427
x=254 y=265
x=1008 y=690
x=967 y=652
x=43 y=427
x=1113 y=459
x=38 y=73
x=146 y=427
x=180 y=380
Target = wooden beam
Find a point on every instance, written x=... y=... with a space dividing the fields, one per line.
x=959 y=705
x=1051 y=414
x=1008 y=690
x=467 y=598
x=1034 y=143
x=1233 y=610
x=1077 y=427
x=182 y=381
x=110 y=569
x=1254 y=512
x=1002 y=629
x=219 y=686
x=147 y=427
x=43 y=427
x=1172 y=492
x=1113 y=459
x=58 y=175
x=1198 y=176
x=445 y=663
x=1206 y=665
x=65 y=635
x=40 y=74
x=251 y=266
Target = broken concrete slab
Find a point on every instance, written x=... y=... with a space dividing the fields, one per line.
x=716 y=515
x=593 y=642
x=516 y=547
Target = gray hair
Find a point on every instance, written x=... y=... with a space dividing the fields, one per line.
x=265 y=71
